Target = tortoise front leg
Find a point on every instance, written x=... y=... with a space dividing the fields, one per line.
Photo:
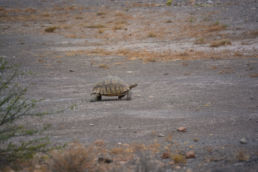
x=96 y=97
x=129 y=95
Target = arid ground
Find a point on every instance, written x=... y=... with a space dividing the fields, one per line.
x=195 y=62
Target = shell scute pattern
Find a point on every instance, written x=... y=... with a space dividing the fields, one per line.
x=112 y=86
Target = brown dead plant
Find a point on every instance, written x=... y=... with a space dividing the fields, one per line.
x=76 y=158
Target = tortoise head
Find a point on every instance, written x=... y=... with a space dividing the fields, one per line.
x=133 y=85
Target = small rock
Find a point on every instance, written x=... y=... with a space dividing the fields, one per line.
x=181 y=129
x=161 y=135
x=71 y=70
x=165 y=74
x=243 y=141
x=92 y=124
x=119 y=143
x=190 y=154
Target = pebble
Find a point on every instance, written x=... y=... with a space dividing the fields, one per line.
x=190 y=154
x=161 y=135
x=181 y=129
x=91 y=124
x=243 y=141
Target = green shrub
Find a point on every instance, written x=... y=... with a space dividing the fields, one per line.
x=169 y=2
x=14 y=105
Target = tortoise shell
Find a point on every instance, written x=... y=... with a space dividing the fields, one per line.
x=111 y=86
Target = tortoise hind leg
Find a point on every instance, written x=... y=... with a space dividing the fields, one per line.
x=129 y=95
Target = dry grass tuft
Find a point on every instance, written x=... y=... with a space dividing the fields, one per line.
x=50 y=29
x=218 y=43
x=254 y=75
x=242 y=156
x=99 y=143
x=254 y=33
x=216 y=27
x=98 y=26
x=103 y=66
x=118 y=27
x=152 y=35
x=118 y=150
x=200 y=41
x=178 y=158
x=100 y=13
x=76 y=158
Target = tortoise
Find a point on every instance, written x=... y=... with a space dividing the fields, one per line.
x=112 y=86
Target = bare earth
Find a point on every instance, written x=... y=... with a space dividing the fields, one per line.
x=195 y=64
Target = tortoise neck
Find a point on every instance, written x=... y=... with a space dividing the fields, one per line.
x=132 y=86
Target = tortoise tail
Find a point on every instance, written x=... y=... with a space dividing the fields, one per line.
x=132 y=86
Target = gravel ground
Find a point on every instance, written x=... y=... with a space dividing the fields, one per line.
x=212 y=91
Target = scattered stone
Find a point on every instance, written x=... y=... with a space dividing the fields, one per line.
x=165 y=155
x=190 y=154
x=181 y=129
x=119 y=143
x=243 y=141
x=92 y=124
x=71 y=70
x=165 y=74
x=161 y=135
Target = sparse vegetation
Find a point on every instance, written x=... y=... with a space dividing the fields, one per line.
x=218 y=43
x=178 y=158
x=50 y=29
x=13 y=106
x=216 y=27
x=169 y=2
x=95 y=26
x=100 y=13
x=199 y=41
x=151 y=35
